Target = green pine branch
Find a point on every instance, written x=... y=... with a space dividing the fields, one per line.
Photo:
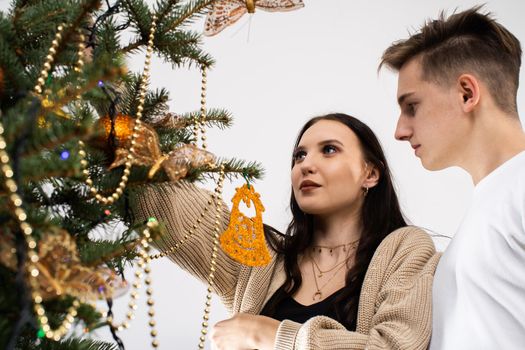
x=78 y=344
x=188 y=12
x=233 y=168
x=182 y=48
x=215 y=117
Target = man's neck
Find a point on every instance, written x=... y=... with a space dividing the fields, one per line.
x=496 y=137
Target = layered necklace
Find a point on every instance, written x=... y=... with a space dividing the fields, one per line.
x=348 y=248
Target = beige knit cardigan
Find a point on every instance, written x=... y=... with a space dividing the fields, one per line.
x=395 y=301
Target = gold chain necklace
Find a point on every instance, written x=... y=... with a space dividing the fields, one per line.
x=350 y=245
x=321 y=272
x=318 y=295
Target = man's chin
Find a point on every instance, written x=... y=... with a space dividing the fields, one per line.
x=432 y=165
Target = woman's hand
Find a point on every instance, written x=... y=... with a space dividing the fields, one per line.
x=244 y=331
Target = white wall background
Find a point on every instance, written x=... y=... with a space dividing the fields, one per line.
x=322 y=58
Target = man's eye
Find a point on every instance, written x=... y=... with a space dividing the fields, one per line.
x=411 y=108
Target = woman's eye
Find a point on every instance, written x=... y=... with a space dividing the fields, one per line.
x=299 y=155
x=328 y=149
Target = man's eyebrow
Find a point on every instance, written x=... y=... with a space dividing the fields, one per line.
x=403 y=97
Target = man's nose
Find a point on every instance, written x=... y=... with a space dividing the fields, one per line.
x=403 y=130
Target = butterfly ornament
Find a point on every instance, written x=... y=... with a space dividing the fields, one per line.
x=224 y=13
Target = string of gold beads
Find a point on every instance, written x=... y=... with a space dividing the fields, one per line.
x=33 y=258
x=199 y=122
x=202 y=121
x=147 y=281
x=143 y=270
x=211 y=276
x=110 y=199
x=21 y=215
x=132 y=305
x=44 y=73
x=187 y=236
x=80 y=59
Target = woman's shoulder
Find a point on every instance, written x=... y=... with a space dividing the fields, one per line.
x=410 y=242
x=408 y=248
x=409 y=236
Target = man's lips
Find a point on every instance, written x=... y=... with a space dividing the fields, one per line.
x=416 y=148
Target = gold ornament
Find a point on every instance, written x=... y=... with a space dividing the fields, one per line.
x=60 y=269
x=123 y=129
x=49 y=105
x=244 y=239
x=176 y=163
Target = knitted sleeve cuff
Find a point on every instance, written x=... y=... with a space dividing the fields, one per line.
x=286 y=334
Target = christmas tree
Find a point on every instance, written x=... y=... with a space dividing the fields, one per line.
x=78 y=131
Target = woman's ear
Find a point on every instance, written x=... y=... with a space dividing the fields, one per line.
x=372 y=176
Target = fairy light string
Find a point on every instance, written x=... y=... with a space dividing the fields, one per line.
x=144 y=259
x=33 y=258
x=111 y=198
x=17 y=203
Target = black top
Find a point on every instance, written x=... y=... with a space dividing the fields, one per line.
x=290 y=309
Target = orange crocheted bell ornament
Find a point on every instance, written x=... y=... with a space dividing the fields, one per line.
x=244 y=240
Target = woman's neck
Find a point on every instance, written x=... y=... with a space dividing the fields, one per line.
x=337 y=230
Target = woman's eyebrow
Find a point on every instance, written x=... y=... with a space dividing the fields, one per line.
x=320 y=143
x=331 y=141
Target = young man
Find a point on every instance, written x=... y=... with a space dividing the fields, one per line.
x=458 y=81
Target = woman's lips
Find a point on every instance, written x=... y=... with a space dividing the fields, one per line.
x=308 y=185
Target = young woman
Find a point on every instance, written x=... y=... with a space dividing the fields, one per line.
x=348 y=273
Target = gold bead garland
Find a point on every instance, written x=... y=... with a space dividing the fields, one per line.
x=189 y=233
x=200 y=122
x=129 y=159
x=31 y=267
x=21 y=215
x=142 y=270
x=203 y=107
x=49 y=59
x=144 y=258
x=211 y=276
x=147 y=282
x=80 y=60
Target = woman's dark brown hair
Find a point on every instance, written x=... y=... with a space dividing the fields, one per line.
x=380 y=215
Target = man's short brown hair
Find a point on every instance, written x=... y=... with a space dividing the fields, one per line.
x=465 y=42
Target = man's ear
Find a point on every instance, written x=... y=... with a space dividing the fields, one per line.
x=469 y=92
x=372 y=176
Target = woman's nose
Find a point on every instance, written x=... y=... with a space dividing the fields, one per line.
x=308 y=166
